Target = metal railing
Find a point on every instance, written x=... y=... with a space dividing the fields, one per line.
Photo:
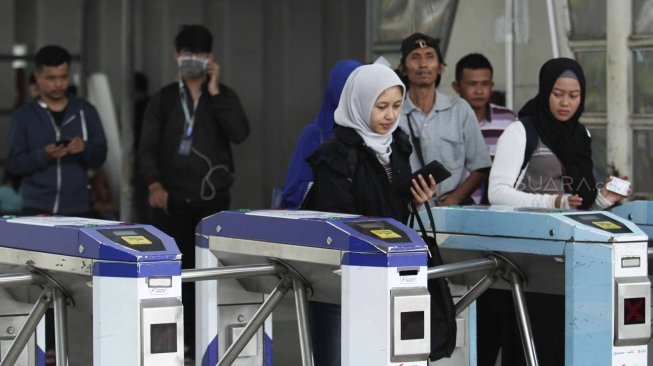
x=52 y=294
x=499 y=267
x=289 y=279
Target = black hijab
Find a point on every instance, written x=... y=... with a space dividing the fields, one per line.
x=568 y=140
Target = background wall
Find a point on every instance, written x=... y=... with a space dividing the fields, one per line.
x=275 y=53
x=479 y=27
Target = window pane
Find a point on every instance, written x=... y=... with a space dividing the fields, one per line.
x=599 y=154
x=587 y=19
x=643 y=16
x=397 y=19
x=643 y=81
x=643 y=162
x=593 y=63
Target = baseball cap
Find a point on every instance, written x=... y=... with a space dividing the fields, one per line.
x=418 y=40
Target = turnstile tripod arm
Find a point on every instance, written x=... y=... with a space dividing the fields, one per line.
x=221 y=273
x=477 y=290
x=458 y=268
x=20 y=279
x=257 y=320
x=33 y=319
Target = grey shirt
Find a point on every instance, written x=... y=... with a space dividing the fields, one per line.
x=449 y=134
x=543 y=173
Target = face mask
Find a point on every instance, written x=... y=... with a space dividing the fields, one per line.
x=192 y=66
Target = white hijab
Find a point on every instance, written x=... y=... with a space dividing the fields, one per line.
x=357 y=100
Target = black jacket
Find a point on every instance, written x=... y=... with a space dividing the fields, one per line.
x=219 y=121
x=368 y=192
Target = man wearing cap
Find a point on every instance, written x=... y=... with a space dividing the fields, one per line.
x=441 y=127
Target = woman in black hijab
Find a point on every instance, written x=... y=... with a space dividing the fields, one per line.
x=546 y=160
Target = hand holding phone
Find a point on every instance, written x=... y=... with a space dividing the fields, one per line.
x=434 y=168
x=62 y=143
x=55 y=151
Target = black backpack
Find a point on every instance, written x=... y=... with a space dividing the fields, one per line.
x=310 y=199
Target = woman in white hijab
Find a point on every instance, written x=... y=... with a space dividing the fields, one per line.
x=358 y=170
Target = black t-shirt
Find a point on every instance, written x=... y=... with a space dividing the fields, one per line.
x=58 y=116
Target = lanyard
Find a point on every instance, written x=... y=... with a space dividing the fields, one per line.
x=190 y=120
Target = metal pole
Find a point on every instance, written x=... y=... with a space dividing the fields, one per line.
x=127 y=108
x=618 y=68
x=221 y=273
x=510 y=48
x=523 y=319
x=553 y=31
x=28 y=328
x=301 y=305
x=453 y=269
x=650 y=252
x=61 y=327
x=20 y=279
x=83 y=43
x=257 y=320
x=476 y=291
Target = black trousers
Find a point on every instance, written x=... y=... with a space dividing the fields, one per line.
x=498 y=329
x=324 y=319
x=179 y=221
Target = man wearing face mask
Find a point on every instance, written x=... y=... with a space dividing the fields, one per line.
x=184 y=154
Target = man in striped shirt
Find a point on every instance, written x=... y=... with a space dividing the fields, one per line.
x=474 y=84
x=495 y=314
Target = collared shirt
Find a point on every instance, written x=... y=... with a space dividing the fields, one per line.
x=492 y=128
x=449 y=134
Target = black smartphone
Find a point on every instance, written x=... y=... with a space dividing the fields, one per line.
x=62 y=142
x=434 y=168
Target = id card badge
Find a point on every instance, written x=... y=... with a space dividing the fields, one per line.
x=185 y=145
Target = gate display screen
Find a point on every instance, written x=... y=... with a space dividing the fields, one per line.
x=163 y=338
x=602 y=222
x=412 y=325
x=634 y=310
x=381 y=230
x=134 y=238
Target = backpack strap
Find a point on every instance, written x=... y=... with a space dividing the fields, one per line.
x=416 y=142
x=532 y=138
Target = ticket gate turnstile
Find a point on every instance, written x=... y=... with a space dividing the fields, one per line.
x=375 y=268
x=596 y=259
x=122 y=286
x=641 y=213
